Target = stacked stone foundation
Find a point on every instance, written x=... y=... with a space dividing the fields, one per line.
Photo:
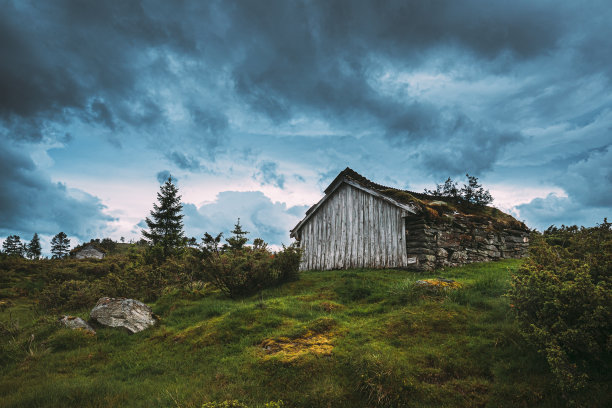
x=459 y=240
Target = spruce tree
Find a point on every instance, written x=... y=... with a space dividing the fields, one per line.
x=166 y=222
x=33 y=248
x=239 y=238
x=12 y=246
x=60 y=244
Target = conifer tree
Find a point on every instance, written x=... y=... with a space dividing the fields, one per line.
x=60 y=244
x=239 y=238
x=12 y=246
x=33 y=249
x=166 y=222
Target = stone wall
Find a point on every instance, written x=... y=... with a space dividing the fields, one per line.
x=458 y=240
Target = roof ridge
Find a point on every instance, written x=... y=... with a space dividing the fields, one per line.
x=353 y=175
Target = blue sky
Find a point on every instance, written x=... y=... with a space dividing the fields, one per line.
x=254 y=107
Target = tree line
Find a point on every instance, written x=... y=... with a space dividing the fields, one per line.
x=13 y=246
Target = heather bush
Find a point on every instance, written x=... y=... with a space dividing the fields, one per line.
x=286 y=263
x=561 y=298
x=239 y=270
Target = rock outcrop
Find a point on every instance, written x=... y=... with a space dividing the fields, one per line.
x=120 y=312
x=74 y=323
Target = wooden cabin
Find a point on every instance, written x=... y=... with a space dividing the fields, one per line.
x=361 y=224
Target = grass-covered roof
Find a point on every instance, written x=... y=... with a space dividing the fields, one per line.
x=430 y=206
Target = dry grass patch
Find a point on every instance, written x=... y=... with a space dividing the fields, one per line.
x=288 y=350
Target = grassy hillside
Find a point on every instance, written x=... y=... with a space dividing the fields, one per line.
x=358 y=338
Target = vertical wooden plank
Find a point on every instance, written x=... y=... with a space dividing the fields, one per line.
x=332 y=232
x=338 y=247
x=350 y=228
x=304 y=245
x=359 y=237
x=392 y=236
x=364 y=233
x=335 y=235
x=402 y=233
x=317 y=260
x=324 y=240
x=340 y=263
x=383 y=231
x=355 y=256
x=387 y=237
x=376 y=219
x=344 y=226
x=372 y=222
x=367 y=232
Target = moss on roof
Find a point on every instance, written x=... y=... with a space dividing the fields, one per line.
x=433 y=206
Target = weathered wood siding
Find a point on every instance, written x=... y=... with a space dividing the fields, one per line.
x=354 y=229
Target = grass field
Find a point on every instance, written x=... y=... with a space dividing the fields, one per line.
x=358 y=338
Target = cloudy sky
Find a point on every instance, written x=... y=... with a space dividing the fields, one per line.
x=255 y=106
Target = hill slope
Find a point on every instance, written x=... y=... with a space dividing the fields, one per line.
x=357 y=338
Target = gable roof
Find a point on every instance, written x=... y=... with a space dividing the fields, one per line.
x=399 y=198
x=409 y=201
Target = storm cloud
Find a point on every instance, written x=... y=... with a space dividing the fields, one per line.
x=283 y=94
x=30 y=202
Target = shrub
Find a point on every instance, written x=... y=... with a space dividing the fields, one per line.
x=240 y=272
x=286 y=263
x=561 y=298
x=71 y=294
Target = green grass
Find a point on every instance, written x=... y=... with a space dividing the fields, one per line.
x=394 y=345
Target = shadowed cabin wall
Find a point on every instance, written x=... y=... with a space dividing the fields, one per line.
x=353 y=229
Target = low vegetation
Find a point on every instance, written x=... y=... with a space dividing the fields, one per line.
x=562 y=297
x=360 y=338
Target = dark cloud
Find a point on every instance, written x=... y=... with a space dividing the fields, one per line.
x=268 y=174
x=197 y=79
x=164 y=175
x=589 y=181
x=259 y=215
x=324 y=58
x=30 y=202
x=470 y=148
x=184 y=161
x=540 y=213
x=81 y=59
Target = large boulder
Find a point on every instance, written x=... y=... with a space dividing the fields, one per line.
x=74 y=323
x=120 y=312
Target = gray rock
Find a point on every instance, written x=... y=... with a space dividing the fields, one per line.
x=120 y=312
x=74 y=323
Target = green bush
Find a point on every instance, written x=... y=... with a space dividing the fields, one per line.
x=245 y=270
x=71 y=295
x=561 y=297
x=240 y=272
x=286 y=263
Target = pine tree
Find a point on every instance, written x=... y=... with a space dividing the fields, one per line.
x=239 y=238
x=34 y=249
x=60 y=244
x=166 y=222
x=472 y=193
x=12 y=246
